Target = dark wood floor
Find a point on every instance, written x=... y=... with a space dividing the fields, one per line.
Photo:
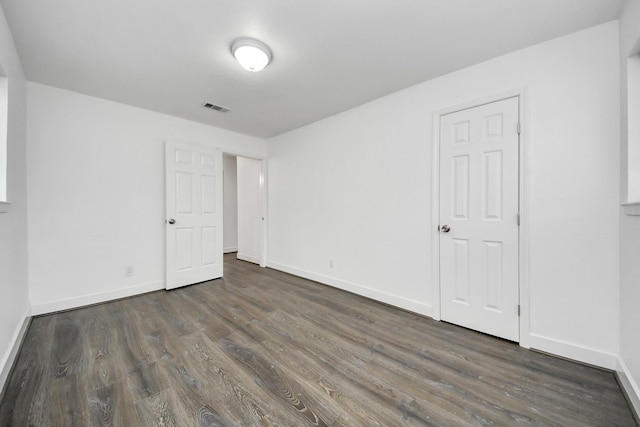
x=263 y=348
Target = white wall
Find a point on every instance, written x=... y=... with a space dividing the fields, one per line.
x=96 y=193
x=230 y=202
x=14 y=301
x=356 y=188
x=629 y=225
x=4 y=97
x=249 y=210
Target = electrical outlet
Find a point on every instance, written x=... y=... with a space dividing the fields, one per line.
x=128 y=271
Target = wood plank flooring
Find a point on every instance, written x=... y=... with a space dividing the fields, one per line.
x=263 y=348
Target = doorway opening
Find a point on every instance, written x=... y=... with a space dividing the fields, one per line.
x=243 y=208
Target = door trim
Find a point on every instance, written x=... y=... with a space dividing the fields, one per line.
x=263 y=199
x=523 y=230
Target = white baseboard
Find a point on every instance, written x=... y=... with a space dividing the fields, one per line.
x=629 y=386
x=99 y=297
x=384 y=297
x=230 y=249
x=12 y=351
x=248 y=258
x=574 y=351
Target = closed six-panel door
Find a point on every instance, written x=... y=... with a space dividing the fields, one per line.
x=194 y=214
x=479 y=187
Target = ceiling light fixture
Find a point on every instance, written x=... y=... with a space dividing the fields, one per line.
x=253 y=55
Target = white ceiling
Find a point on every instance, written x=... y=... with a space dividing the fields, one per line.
x=172 y=56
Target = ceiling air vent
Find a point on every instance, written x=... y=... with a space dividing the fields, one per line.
x=216 y=107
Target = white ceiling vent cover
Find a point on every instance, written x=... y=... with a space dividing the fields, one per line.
x=216 y=107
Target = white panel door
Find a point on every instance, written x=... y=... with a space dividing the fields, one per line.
x=194 y=214
x=479 y=181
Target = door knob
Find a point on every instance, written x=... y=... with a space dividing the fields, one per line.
x=171 y=221
x=445 y=228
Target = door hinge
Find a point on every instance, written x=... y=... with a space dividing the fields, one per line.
x=518 y=128
x=518 y=218
x=518 y=309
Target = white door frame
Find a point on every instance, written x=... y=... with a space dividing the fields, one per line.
x=263 y=199
x=523 y=231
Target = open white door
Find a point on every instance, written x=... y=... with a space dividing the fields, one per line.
x=193 y=214
x=479 y=189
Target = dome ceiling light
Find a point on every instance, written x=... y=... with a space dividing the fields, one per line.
x=251 y=54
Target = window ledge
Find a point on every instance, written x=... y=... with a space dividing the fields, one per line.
x=631 y=208
x=4 y=207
